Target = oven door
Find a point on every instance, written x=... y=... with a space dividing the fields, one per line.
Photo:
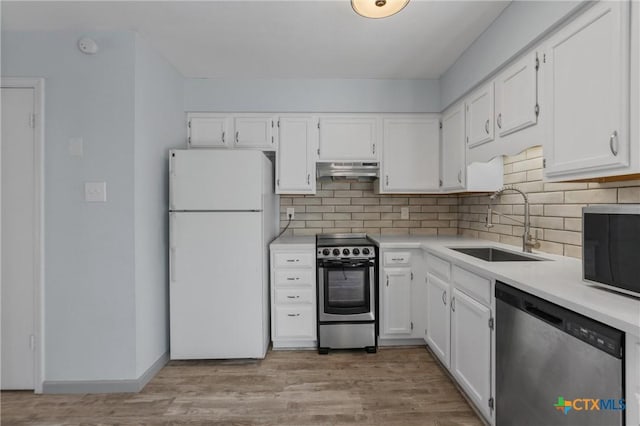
x=346 y=290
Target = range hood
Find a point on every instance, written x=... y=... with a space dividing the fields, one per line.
x=360 y=170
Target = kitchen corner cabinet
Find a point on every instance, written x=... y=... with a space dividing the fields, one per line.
x=480 y=112
x=516 y=91
x=453 y=170
x=296 y=158
x=348 y=138
x=293 y=297
x=410 y=155
x=586 y=94
x=208 y=130
x=402 y=297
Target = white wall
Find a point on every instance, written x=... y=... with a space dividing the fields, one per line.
x=89 y=263
x=322 y=95
x=159 y=125
x=517 y=27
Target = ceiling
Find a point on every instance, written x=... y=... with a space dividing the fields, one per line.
x=278 y=39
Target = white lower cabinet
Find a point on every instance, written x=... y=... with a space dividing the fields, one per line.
x=438 y=318
x=402 y=297
x=293 y=297
x=471 y=348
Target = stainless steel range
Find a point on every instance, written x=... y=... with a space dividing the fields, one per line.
x=347 y=292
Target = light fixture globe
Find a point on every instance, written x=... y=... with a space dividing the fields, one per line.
x=377 y=9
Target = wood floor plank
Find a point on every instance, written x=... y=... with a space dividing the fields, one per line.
x=396 y=386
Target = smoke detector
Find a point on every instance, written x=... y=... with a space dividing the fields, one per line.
x=87 y=46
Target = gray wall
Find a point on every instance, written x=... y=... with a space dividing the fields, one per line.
x=517 y=27
x=299 y=95
x=159 y=125
x=89 y=262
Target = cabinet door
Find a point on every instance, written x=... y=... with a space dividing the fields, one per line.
x=348 y=138
x=471 y=348
x=479 y=108
x=411 y=159
x=453 y=149
x=208 y=132
x=297 y=143
x=255 y=132
x=585 y=68
x=438 y=332
x=517 y=96
x=396 y=302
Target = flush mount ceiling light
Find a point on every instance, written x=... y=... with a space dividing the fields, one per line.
x=378 y=8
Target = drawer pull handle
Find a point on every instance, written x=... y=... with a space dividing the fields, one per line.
x=614 y=136
x=293 y=260
x=397 y=259
x=293 y=297
x=293 y=315
x=293 y=278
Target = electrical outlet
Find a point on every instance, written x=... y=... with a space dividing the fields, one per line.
x=404 y=213
x=95 y=192
x=291 y=213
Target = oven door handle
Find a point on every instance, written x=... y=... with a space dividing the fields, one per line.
x=347 y=264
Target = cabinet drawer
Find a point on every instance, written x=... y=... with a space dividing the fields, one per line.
x=473 y=285
x=439 y=267
x=294 y=260
x=294 y=295
x=295 y=322
x=397 y=258
x=297 y=277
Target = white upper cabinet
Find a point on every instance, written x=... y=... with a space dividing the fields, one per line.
x=586 y=93
x=453 y=148
x=348 y=138
x=208 y=131
x=517 y=96
x=480 y=113
x=411 y=155
x=255 y=132
x=297 y=145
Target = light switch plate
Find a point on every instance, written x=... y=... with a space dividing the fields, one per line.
x=95 y=192
x=76 y=148
x=404 y=212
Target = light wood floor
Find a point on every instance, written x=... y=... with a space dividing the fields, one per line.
x=396 y=386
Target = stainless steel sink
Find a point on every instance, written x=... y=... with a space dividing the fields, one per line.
x=492 y=254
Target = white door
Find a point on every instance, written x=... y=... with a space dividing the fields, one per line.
x=297 y=144
x=517 y=96
x=209 y=132
x=18 y=240
x=411 y=155
x=586 y=92
x=216 y=179
x=471 y=348
x=396 y=302
x=348 y=138
x=438 y=333
x=453 y=149
x=255 y=132
x=216 y=285
x=480 y=110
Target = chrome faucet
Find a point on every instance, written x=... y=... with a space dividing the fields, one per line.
x=528 y=241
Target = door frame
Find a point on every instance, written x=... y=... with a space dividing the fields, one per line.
x=37 y=84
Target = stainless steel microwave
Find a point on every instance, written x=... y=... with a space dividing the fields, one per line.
x=611 y=247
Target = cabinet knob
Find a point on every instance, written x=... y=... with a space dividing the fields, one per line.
x=486 y=126
x=387 y=280
x=499 y=121
x=444 y=297
x=223 y=137
x=460 y=176
x=308 y=179
x=386 y=180
x=237 y=137
x=453 y=304
x=612 y=138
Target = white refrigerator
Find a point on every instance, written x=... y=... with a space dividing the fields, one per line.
x=223 y=215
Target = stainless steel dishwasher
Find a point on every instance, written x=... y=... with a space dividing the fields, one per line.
x=552 y=364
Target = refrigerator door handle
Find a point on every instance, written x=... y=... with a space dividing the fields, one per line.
x=172 y=204
x=172 y=265
x=173 y=250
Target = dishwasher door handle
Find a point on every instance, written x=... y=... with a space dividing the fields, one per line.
x=539 y=313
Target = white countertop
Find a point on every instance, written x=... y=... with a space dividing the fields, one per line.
x=558 y=280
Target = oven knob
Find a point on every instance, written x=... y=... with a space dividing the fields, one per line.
x=336 y=252
x=345 y=252
x=326 y=252
x=365 y=251
x=356 y=251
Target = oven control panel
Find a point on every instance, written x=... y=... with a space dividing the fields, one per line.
x=357 y=252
